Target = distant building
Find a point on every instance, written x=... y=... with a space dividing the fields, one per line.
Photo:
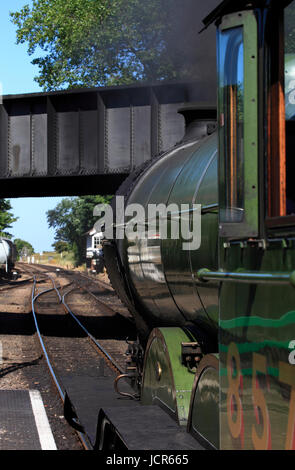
x=94 y=253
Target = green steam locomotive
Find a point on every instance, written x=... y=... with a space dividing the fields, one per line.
x=216 y=323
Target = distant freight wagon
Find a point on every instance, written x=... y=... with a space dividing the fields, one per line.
x=7 y=257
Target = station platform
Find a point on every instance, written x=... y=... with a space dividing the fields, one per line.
x=23 y=421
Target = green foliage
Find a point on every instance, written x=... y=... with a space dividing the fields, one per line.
x=61 y=246
x=72 y=218
x=107 y=42
x=21 y=245
x=6 y=217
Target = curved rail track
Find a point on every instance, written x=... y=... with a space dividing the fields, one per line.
x=78 y=276
x=7 y=285
x=102 y=350
x=62 y=293
x=98 y=281
x=15 y=284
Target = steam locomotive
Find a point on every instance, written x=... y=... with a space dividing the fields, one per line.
x=216 y=324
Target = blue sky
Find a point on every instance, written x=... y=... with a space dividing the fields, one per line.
x=17 y=76
x=32 y=224
x=16 y=71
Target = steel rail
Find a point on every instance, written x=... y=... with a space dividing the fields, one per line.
x=90 y=336
x=83 y=439
x=78 y=273
x=103 y=305
x=34 y=298
x=61 y=298
x=99 y=281
x=14 y=285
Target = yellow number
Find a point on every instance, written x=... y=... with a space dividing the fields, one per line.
x=235 y=419
x=262 y=442
x=234 y=404
x=286 y=376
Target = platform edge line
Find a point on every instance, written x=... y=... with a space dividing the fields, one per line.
x=43 y=427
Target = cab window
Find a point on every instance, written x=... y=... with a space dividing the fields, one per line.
x=289 y=92
x=232 y=89
x=281 y=117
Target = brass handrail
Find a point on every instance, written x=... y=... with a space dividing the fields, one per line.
x=246 y=276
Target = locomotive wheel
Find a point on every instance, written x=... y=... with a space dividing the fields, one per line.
x=203 y=420
x=166 y=381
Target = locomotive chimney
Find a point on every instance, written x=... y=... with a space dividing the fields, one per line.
x=200 y=120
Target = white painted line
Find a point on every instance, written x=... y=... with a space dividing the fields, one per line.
x=45 y=434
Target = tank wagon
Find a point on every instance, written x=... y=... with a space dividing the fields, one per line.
x=216 y=323
x=7 y=257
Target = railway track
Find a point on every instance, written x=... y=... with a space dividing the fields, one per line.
x=56 y=380
x=7 y=285
x=101 y=349
x=15 y=284
x=68 y=345
x=98 y=281
x=82 y=344
x=77 y=274
x=112 y=305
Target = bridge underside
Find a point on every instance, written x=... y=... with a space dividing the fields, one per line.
x=87 y=141
x=60 y=186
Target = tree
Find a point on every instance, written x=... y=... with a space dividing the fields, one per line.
x=72 y=218
x=61 y=246
x=21 y=246
x=110 y=42
x=6 y=218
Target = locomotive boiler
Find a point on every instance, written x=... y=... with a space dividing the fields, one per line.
x=153 y=275
x=156 y=279
x=216 y=324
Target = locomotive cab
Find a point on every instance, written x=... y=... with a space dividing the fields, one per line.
x=256 y=224
x=247 y=390
x=220 y=356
